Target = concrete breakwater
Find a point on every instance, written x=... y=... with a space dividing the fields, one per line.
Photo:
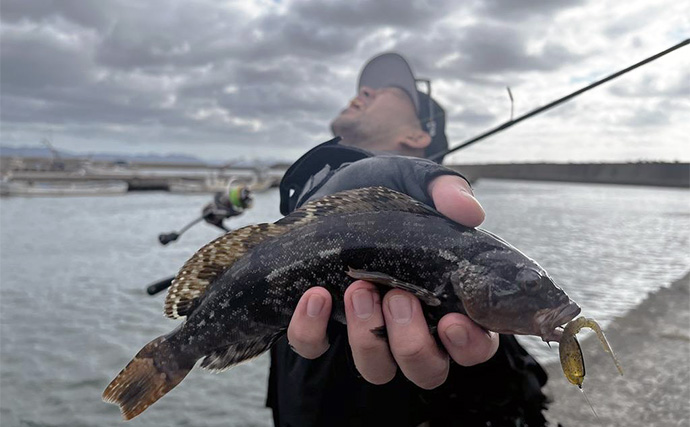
x=159 y=177
x=27 y=175
x=652 y=342
x=643 y=173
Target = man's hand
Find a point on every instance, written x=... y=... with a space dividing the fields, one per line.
x=409 y=346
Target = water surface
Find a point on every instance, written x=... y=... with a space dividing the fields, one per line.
x=73 y=272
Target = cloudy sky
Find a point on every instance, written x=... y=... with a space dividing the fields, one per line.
x=255 y=78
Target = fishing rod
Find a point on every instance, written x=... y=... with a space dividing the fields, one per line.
x=242 y=199
x=165 y=238
x=159 y=286
x=552 y=104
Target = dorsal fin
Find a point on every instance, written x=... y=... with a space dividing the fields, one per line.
x=209 y=262
x=360 y=200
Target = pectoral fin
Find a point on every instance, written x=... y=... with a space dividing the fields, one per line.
x=424 y=295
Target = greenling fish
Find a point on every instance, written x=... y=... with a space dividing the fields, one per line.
x=238 y=292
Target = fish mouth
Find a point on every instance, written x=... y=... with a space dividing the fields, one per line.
x=549 y=321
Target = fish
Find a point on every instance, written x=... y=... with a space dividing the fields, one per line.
x=237 y=294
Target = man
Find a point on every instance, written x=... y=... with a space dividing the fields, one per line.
x=331 y=375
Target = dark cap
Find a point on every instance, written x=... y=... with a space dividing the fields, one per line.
x=391 y=70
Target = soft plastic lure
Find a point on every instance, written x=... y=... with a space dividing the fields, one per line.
x=572 y=361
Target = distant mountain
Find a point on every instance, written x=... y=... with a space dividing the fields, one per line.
x=26 y=152
x=148 y=158
x=44 y=152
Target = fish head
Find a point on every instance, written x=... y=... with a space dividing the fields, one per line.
x=504 y=291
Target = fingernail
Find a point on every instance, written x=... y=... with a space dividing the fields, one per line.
x=465 y=190
x=401 y=308
x=457 y=335
x=468 y=195
x=363 y=303
x=314 y=305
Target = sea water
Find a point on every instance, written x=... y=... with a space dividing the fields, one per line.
x=73 y=273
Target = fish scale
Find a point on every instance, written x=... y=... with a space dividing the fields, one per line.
x=237 y=305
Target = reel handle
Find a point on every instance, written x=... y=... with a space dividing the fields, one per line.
x=167 y=238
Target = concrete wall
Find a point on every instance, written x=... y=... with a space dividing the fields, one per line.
x=656 y=174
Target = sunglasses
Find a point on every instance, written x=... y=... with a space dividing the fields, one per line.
x=429 y=122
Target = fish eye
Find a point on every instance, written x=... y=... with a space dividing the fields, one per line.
x=529 y=279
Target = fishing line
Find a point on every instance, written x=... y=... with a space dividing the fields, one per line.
x=552 y=104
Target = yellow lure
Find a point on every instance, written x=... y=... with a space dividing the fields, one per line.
x=572 y=361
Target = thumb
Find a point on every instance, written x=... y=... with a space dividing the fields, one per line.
x=454 y=198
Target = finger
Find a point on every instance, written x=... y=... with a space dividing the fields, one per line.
x=454 y=198
x=307 y=330
x=371 y=354
x=411 y=344
x=466 y=342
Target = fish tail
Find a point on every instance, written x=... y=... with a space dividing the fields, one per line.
x=153 y=372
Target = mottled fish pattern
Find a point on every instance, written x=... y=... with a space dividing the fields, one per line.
x=238 y=292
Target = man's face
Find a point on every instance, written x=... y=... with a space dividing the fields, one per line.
x=374 y=119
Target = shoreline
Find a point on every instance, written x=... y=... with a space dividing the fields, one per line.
x=652 y=342
x=642 y=173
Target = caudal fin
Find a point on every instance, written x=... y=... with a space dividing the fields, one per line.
x=153 y=372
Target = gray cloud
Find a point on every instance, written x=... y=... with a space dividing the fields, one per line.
x=647 y=117
x=473 y=118
x=487 y=50
x=627 y=21
x=235 y=78
x=656 y=114
x=516 y=11
x=87 y=13
x=36 y=59
x=371 y=14
x=655 y=86
x=486 y=54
